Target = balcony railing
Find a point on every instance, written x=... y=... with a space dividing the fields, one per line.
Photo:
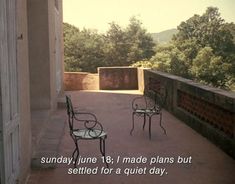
x=210 y=111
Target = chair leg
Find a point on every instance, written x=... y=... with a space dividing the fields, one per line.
x=144 y=121
x=133 y=126
x=161 y=123
x=102 y=150
x=76 y=150
x=150 y=122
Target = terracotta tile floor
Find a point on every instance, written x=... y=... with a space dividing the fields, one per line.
x=209 y=164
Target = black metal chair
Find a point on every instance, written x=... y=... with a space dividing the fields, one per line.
x=84 y=126
x=145 y=106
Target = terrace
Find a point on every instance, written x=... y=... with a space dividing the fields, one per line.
x=207 y=163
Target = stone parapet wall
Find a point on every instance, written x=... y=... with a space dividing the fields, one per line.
x=141 y=79
x=118 y=78
x=80 y=81
x=208 y=110
x=107 y=78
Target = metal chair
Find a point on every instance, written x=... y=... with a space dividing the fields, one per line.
x=84 y=126
x=145 y=106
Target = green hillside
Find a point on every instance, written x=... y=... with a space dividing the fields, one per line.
x=164 y=36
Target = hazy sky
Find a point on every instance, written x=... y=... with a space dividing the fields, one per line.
x=156 y=15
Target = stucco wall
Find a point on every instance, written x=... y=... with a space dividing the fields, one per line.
x=42 y=51
x=52 y=62
x=118 y=78
x=208 y=110
x=36 y=69
x=24 y=95
x=45 y=62
x=55 y=56
x=80 y=81
x=39 y=54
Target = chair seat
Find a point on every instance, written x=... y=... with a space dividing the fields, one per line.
x=89 y=134
x=147 y=111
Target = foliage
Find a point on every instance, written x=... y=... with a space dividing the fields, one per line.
x=116 y=47
x=210 y=68
x=203 y=50
x=83 y=49
x=208 y=30
x=140 y=43
x=70 y=34
x=86 y=50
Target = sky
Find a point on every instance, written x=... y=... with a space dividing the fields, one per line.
x=156 y=15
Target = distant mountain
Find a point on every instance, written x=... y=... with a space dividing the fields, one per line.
x=164 y=36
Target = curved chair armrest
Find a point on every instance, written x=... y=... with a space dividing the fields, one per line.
x=84 y=116
x=91 y=128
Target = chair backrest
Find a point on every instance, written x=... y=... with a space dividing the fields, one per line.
x=160 y=97
x=70 y=111
x=157 y=98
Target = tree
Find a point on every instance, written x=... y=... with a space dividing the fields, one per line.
x=211 y=69
x=70 y=35
x=83 y=49
x=207 y=30
x=212 y=47
x=116 y=46
x=126 y=46
x=89 y=50
x=203 y=50
x=169 y=58
x=141 y=43
x=86 y=50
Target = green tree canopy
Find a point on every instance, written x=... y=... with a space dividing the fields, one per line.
x=209 y=68
x=83 y=49
x=207 y=30
x=203 y=50
x=86 y=50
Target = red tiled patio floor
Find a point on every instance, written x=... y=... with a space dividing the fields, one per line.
x=209 y=164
